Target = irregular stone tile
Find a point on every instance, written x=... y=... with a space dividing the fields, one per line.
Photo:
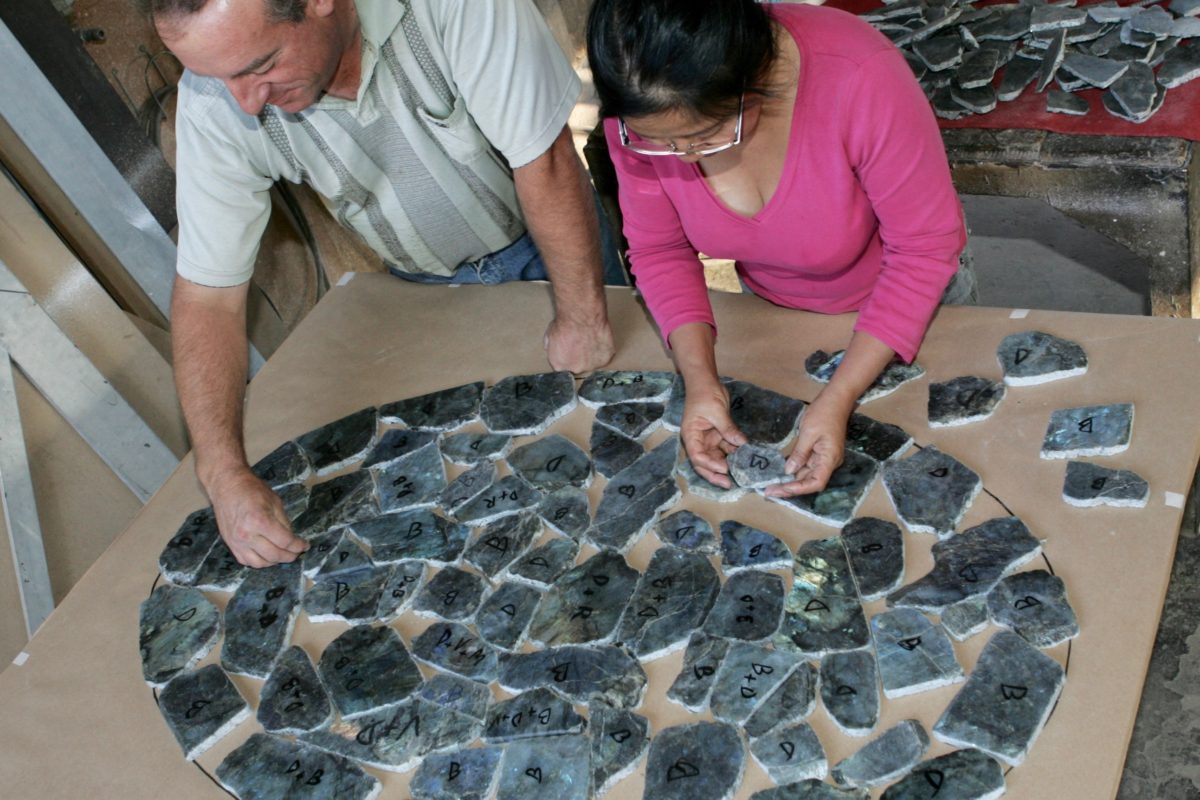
x=606 y=387
x=545 y=563
x=700 y=761
x=453 y=647
x=749 y=607
x=267 y=766
x=612 y=451
x=460 y=775
x=766 y=417
x=979 y=101
x=259 y=619
x=505 y=615
x=876 y=439
x=1184 y=8
x=791 y=754
x=978 y=68
x=507 y=496
x=551 y=463
x=527 y=404
x=944 y=104
x=965 y=619
x=351 y=597
x=335 y=503
x=398 y=443
x=293 y=700
x=1018 y=74
x=634 y=420
x=1088 y=431
x=1033 y=357
x=820 y=366
x=790 y=702
x=1034 y=604
x=437 y=411
x=755 y=467
x=452 y=594
x=1180 y=66
x=1154 y=20
x=1112 y=103
x=585 y=604
x=200 y=707
x=914 y=655
x=671 y=600
x=1111 y=12
x=811 y=789
x=220 y=570
x=416 y=534
x=748 y=675
x=822 y=612
x=885 y=758
x=470 y=448
x=186 y=550
x=467 y=485
x=294 y=497
x=443 y=728
x=744 y=547
x=702 y=487
x=399 y=589
x=619 y=739
x=634 y=496
x=1052 y=59
x=930 y=490
x=1088 y=485
x=416 y=480
x=963 y=400
x=1062 y=102
x=566 y=511
x=673 y=413
x=539 y=712
x=366 y=668
x=1006 y=700
x=960 y=775
x=581 y=674
x=694 y=684
x=555 y=768
x=346 y=556
x=850 y=690
x=284 y=465
x=969 y=564
x=389 y=738
x=875 y=550
x=340 y=443
x=502 y=542
x=687 y=531
x=839 y=500
x=1048 y=18
x=939 y=52
x=176 y=628
x=457 y=694
x=1097 y=71
x=1009 y=26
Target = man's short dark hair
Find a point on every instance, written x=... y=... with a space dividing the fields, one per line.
x=277 y=10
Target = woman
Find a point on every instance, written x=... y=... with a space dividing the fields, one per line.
x=795 y=140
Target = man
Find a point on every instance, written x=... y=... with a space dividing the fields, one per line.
x=433 y=128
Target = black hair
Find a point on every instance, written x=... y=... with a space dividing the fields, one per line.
x=277 y=10
x=651 y=56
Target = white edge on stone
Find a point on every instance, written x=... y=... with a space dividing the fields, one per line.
x=833 y=522
x=301 y=731
x=673 y=647
x=816 y=771
x=620 y=774
x=287 y=637
x=482 y=522
x=916 y=688
x=359 y=456
x=1046 y=377
x=962 y=636
x=766 y=566
x=955 y=423
x=1085 y=451
x=539 y=429
x=237 y=719
x=1092 y=502
x=204 y=650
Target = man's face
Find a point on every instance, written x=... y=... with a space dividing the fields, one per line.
x=284 y=64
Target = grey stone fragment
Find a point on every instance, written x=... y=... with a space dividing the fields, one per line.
x=879 y=440
x=966 y=618
x=1006 y=700
x=200 y=707
x=505 y=615
x=673 y=415
x=701 y=660
x=753 y=466
x=930 y=490
x=268 y=766
x=1089 y=484
x=839 y=500
x=978 y=68
x=613 y=451
x=790 y=754
x=1099 y=72
x=1153 y=20
x=935 y=19
x=1180 y=66
x=963 y=400
x=1185 y=28
x=822 y=613
x=766 y=417
x=606 y=387
x=527 y=404
x=452 y=594
x=1034 y=604
x=293 y=700
x=187 y=549
x=701 y=487
x=453 y=647
x=633 y=497
x=284 y=465
x=875 y=550
x=811 y=789
x=744 y=547
x=791 y=701
x=749 y=673
x=399 y=589
x=1006 y=25
x=619 y=739
x=417 y=534
x=416 y=480
x=1034 y=357
x=1062 y=97
x=220 y=571
x=507 y=496
x=700 y=761
x=939 y=52
x=1184 y=8
x=1113 y=106
x=1136 y=90
x=582 y=674
x=960 y=775
x=567 y=511
x=366 y=668
x=1111 y=12
x=467 y=485
x=176 y=628
x=1052 y=17
x=458 y=694
x=635 y=420
x=890 y=755
x=1135 y=38
x=554 y=768
x=502 y=542
x=443 y=728
x=390 y=738
x=346 y=556
x=1088 y=431
x=341 y=442
x=351 y=597
x=437 y=411
x=914 y=655
x=551 y=463
x=335 y=503
x=821 y=366
x=687 y=531
x=969 y=564
x=545 y=563
x=979 y=100
x=538 y=712
x=259 y=618
x=294 y=497
x=1052 y=59
x=398 y=443
x=1062 y=102
x=749 y=607
x=585 y=604
x=672 y=599
x=850 y=690
x=470 y=448
x=458 y=775
x=944 y=104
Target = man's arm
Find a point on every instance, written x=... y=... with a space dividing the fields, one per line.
x=554 y=194
x=208 y=333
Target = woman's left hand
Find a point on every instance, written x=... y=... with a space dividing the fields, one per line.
x=820 y=445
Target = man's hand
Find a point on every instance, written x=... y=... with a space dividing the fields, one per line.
x=252 y=522
x=709 y=434
x=578 y=348
x=819 y=448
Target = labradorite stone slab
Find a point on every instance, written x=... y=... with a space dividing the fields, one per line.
x=702 y=487
x=555 y=768
x=875 y=550
x=351 y=597
x=978 y=101
x=1097 y=71
x=585 y=604
x=451 y=594
x=1034 y=604
x=505 y=615
x=753 y=466
x=613 y=451
x=293 y=700
x=701 y=761
x=437 y=411
x=1036 y=357
x=467 y=485
x=879 y=440
x=969 y=564
x=545 y=563
x=930 y=490
x=1006 y=701
x=443 y=728
x=937 y=53
x=399 y=589
x=1048 y=17
x=688 y=531
x=965 y=619
x=792 y=753
x=457 y=694
x=820 y=366
x=811 y=789
x=701 y=660
x=337 y=502
x=550 y=463
x=619 y=739
x=187 y=549
x=960 y=775
x=389 y=738
x=1063 y=102
x=1092 y=485
x=259 y=617
x=822 y=613
x=850 y=690
x=1052 y=59
x=635 y=420
x=539 y=712
x=627 y=510
x=416 y=480
x=914 y=655
x=749 y=607
x=1155 y=20
x=841 y=497
x=341 y=442
x=566 y=511
x=470 y=448
x=744 y=547
x=458 y=775
x=1181 y=65
x=453 y=647
x=219 y=571
x=885 y=758
x=748 y=675
x=176 y=628
x=268 y=766
x=507 y=496
x=294 y=497
x=416 y=534
x=581 y=674
x=345 y=557
x=1018 y=74
x=671 y=600
x=1088 y=431
x=367 y=668
x=766 y=417
x=673 y=413
x=200 y=707
x=978 y=68
x=964 y=400
x=398 y=443
x=502 y=542
x=527 y=404
x=790 y=702
x=284 y=465
x=605 y=387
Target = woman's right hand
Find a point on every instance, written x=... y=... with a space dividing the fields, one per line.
x=709 y=434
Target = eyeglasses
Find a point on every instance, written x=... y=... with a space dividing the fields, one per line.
x=694 y=149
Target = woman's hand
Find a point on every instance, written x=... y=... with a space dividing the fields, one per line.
x=709 y=434
x=819 y=447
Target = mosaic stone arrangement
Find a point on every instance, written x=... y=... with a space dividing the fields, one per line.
x=538 y=626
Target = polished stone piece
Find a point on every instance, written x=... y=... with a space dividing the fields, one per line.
x=399 y=589
x=879 y=440
x=351 y=597
x=416 y=480
x=839 y=500
x=1136 y=90
x=749 y=607
x=749 y=673
x=294 y=497
x=978 y=68
x=538 y=712
x=267 y=766
x=444 y=728
x=969 y=564
x=619 y=739
x=345 y=557
x=1034 y=604
x=398 y=443
x=913 y=654
x=811 y=789
x=200 y=707
x=633 y=498
x=875 y=550
x=186 y=550
x=1097 y=71
x=219 y=571
x=1062 y=102
x=505 y=615
x=1088 y=431
x=259 y=618
x=960 y=775
x=1093 y=485
x=790 y=702
x=701 y=660
x=1052 y=59
x=527 y=404
x=457 y=694
x=702 y=487
x=176 y=628
x=502 y=542
x=507 y=496
x=585 y=604
x=744 y=547
x=467 y=485
x=672 y=599
x=885 y=758
x=1036 y=357
x=963 y=400
x=635 y=420
x=284 y=465
x=554 y=768
x=791 y=754
x=455 y=648
x=1180 y=66
x=753 y=466
x=582 y=674
x=470 y=448
x=551 y=463
x=417 y=534
x=459 y=775
x=939 y=52
x=766 y=417
x=545 y=563
x=687 y=531
x=821 y=366
x=850 y=690
x=390 y=738
x=567 y=511
x=612 y=451
x=336 y=502
x=930 y=490
x=1006 y=700
x=606 y=387
x=338 y=444
x=1018 y=74
x=293 y=700
x=822 y=613
x=452 y=594
x=366 y=668
x=980 y=100
x=966 y=618
x=700 y=761
x=437 y=411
